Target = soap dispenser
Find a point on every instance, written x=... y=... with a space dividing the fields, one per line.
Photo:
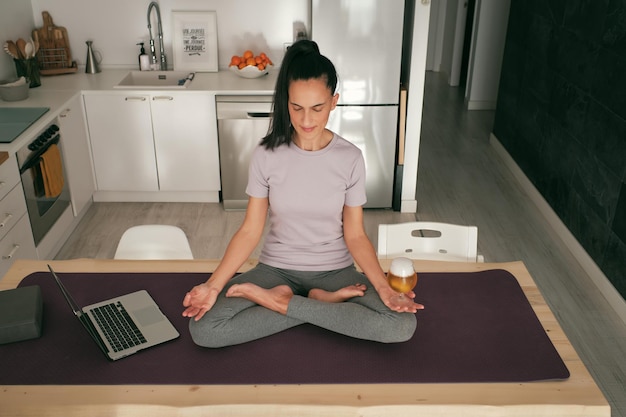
x=144 y=59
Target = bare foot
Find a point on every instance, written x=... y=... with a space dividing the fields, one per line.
x=339 y=296
x=275 y=299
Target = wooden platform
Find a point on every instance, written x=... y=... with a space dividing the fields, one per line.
x=577 y=396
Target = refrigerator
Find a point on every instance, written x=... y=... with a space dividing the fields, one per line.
x=363 y=39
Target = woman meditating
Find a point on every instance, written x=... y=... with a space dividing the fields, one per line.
x=309 y=183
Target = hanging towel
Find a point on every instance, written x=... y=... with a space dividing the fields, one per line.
x=52 y=171
x=37 y=177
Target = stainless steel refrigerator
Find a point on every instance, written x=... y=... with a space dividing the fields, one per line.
x=363 y=38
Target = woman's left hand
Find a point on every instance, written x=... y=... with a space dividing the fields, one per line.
x=388 y=296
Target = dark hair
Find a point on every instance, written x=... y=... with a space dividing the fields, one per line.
x=302 y=61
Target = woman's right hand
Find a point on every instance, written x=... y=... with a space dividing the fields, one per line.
x=200 y=299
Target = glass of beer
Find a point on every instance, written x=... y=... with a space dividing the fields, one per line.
x=402 y=278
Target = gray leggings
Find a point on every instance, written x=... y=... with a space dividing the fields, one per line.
x=236 y=320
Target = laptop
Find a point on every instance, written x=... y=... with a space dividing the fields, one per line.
x=123 y=325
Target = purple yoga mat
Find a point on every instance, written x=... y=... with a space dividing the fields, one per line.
x=477 y=327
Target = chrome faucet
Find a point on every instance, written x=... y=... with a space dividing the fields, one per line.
x=153 y=60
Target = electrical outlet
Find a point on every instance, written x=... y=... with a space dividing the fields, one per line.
x=286 y=46
x=299 y=31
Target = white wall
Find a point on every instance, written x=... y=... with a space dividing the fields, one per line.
x=448 y=36
x=442 y=35
x=116 y=26
x=454 y=75
x=436 y=30
x=487 y=46
x=415 y=102
x=16 y=21
x=490 y=23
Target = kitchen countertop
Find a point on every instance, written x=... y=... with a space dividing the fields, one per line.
x=222 y=82
x=57 y=90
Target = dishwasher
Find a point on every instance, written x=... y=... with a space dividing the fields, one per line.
x=241 y=123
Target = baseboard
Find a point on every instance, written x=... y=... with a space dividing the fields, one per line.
x=480 y=105
x=157 y=196
x=613 y=297
x=408 y=206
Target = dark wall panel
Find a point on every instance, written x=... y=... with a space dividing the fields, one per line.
x=561 y=115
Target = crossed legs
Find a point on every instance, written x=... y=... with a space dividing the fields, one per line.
x=268 y=300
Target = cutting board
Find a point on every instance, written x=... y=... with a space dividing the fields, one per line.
x=54 y=54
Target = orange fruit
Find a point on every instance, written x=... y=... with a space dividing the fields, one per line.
x=260 y=61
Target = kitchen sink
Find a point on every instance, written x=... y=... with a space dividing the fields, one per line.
x=156 y=80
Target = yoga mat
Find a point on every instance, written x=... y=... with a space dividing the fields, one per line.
x=477 y=327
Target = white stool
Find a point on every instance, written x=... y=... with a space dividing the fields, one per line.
x=153 y=241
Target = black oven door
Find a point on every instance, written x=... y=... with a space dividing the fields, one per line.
x=45 y=188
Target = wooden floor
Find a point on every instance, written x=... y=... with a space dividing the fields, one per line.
x=461 y=180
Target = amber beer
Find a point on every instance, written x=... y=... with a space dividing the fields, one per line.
x=402 y=277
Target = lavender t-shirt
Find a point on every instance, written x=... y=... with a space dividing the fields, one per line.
x=307 y=191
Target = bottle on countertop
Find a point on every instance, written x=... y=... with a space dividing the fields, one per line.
x=144 y=59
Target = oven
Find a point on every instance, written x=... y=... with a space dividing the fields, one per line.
x=43 y=179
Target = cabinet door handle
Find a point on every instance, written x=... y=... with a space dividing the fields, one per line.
x=135 y=98
x=7 y=217
x=65 y=113
x=162 y=98
x=259 y=115
x=11 y=254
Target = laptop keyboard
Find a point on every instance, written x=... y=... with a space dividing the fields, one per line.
x=119 y=329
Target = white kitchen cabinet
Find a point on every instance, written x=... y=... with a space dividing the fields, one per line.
x=120 y=130
x=76 y=155
x=16 y=237
x=186 y=151
x=154 y=142
x=17 y=244
x=12 y=207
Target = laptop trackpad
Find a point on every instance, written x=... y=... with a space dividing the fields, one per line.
x=148 y=315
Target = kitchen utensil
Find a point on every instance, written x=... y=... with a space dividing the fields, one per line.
x=92 y=63
x=21 y=47
x=35 y=46
x=53 y=43
x=28 y=48
x=12 y=49
x=6 y=49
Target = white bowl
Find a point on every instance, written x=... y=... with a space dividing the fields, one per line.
x=13 y=92
x=250 y=71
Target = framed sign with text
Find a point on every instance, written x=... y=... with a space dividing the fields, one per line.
x=195 y=41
